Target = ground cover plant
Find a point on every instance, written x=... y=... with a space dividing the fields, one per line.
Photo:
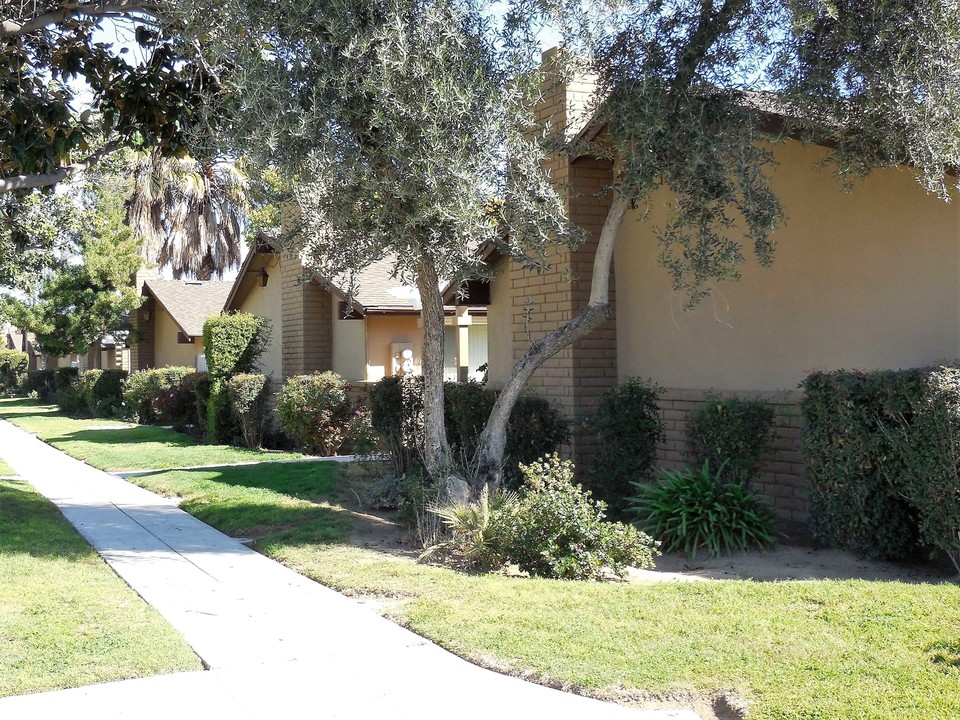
x=113 y=445
x=87 y=626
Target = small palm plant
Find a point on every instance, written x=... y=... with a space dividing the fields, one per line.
x=477 y=531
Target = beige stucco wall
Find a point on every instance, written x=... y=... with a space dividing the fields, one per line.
x=265 y=302
x=167 y=351
x=382 y=330
x=863 y=280
x=349 y=352
x=500 y=327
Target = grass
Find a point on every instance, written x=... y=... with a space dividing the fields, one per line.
x=5 y=469
x=802 y=650
x=808 y=650
x=65 y=618
x=115 y=446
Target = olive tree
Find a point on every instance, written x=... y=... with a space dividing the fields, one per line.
x=408 y=129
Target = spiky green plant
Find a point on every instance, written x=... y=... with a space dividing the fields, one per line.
x=477 y=531
x=692 y=509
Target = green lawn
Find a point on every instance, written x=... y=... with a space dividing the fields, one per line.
x=811 y=650
x=5 y=469
x=65 y=618
x=113 y=445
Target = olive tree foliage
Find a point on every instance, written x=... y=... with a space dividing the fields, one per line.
x=692 y=94
x=408 y=127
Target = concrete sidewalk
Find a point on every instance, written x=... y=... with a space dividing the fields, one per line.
x=277 y=644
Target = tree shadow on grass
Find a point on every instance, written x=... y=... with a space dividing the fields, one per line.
x=31 y=524
x=311 y=481
x=134 y=435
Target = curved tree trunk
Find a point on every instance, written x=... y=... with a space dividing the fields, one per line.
x=436 y=449
x=493 y=440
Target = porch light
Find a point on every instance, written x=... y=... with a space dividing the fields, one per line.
x=262 y=278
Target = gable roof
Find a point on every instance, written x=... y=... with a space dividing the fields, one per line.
x=189 y=302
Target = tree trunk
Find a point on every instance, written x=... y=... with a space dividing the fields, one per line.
x=493 y=440
x=436 y=449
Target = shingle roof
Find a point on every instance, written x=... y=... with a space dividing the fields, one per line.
x=375 y=287
x=190 y=303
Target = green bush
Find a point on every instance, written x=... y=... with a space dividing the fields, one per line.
x=559 y=531
x=314 y=411
x=42 y=383
x=536 y=427
x=856 y=468
x=201 y=387
x=222 y=428
x=627 y=428
x=104 y=395
x=692 y=509
x=13 y=369
x=69 y=395
x=88 y=379
x=396 y=409
x=147 y=395
x=234 y=343
x=177 y=406
x=65 y=377
x=248 y=399
x=732 y=434
x=927 y=451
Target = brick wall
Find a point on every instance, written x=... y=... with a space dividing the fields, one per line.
x=307 y=326
x=781 y=481
x=576 y=376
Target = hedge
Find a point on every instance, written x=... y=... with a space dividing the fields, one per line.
x=104 y=395
x=248 y=399
x=42 y=383
x=154 y=397
x=13 y=368
x=234 y=343
x=315 y=412
x=536 y=427
x=882 y=451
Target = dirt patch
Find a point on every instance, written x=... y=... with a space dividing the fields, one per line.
x=377 y=532
x=790 y=562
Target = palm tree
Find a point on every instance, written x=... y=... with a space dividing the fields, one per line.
x=189 y=215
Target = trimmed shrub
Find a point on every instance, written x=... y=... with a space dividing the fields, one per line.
x=692 y=509
x=248 y=398
x=202 y=386
x=42 y=383
x=178 y=406
x=314 y=411
x=560 y=531
x=65 y=377
x=221 y=426
x=856 y=466
x=536 y=427
x=13 y=369
x=87 y=380
x=732 y=435
x=234 y=343
x=147 y=395
x=69 y=395
x=928 y=448
x=627 y=428
x=396 y=409
x=104 y=395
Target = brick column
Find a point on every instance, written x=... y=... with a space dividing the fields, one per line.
x=307 y=321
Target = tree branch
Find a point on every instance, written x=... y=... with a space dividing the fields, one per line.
x=24 y=182
x=105 y=8
x=710 y=27
x=598 y=310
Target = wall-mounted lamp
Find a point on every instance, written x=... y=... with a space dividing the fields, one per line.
x=262 y=278
x=146 y=315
